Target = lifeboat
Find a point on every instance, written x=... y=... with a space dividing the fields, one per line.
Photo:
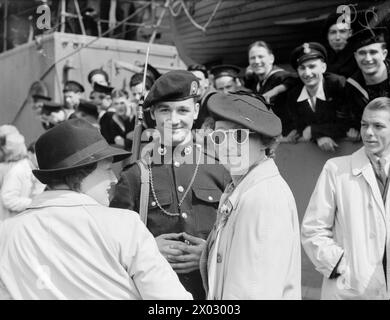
x=219 y=31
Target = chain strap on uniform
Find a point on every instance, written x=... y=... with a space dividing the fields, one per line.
x=173 y=214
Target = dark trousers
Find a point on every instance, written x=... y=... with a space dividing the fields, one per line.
x=193 y=283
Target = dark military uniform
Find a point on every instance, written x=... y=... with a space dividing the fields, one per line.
x=325 y=121
x=171 y=178
x=185 y=184
x=325 y=117
x=342 y=62
x=358 y=94
x=276 y=77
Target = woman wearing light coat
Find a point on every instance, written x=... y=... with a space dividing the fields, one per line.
x=253 y=251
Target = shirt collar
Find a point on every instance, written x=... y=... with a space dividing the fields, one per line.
x=374 y=159
x=320 y=94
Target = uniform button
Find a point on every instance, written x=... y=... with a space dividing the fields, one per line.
x=180 y=189
x=177 y=164
x=210 y=198
x=184 y=215
x=219 y=258
x=154 y=203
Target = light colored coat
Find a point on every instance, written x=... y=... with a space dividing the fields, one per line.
x=258 y=250
x=68 y=246
x=346 y=217
x=18 y=188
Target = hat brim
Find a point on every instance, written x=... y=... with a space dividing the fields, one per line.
x=45 y=175
x=222 y=107
x=309 y=57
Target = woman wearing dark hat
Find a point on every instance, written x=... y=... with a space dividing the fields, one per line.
x=68 y=244
x=253 y=251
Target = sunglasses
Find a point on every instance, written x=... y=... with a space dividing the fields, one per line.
x=240 y=136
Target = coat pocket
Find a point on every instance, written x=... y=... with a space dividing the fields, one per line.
x=163 y=197
x=204 y=206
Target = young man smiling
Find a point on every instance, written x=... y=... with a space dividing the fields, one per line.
x=345 y=231
x=314 y=103
x=372 y=78
x=184 y=185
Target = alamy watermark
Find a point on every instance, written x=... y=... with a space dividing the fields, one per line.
x=44 y=18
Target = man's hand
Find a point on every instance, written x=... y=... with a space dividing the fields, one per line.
x=306 y=134
x=353 y=134
x=167 y=245
x=327 y=144
x=292 y=137
x=189 y=261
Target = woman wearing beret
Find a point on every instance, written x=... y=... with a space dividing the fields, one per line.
x=253 y=251
x=68 y=244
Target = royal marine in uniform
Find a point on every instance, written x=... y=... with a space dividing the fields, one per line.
x=185 y=182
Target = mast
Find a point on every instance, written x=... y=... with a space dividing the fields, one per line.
x=5 y=25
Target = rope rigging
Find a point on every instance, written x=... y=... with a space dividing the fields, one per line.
x=181 y=5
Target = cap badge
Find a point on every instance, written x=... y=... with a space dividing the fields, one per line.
x=194 y=88
x=306 y=48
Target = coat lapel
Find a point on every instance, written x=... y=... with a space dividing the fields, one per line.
x=361 y=165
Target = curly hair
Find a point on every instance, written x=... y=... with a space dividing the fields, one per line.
x=72 y=179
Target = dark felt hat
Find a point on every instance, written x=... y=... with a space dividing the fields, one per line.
x=103 y=89
x=225 y=70
x=71 y=145
x=177 y=85
x=247 y=110
x=74 y=86
x=88 y=108
x=307 y=51
x=368 y=36
x=97 y=71
x=49 y=107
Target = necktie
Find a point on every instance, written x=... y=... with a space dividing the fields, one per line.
x=381 y=170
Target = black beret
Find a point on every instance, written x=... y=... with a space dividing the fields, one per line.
x=368 y=36
x=247 y=110
x=103 y=89
x=73 y=86
x=307 y=51
x=97 y=71
x=174 y=85
x=225 y=70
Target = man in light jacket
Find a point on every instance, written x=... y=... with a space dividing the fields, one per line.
x=346 y=228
